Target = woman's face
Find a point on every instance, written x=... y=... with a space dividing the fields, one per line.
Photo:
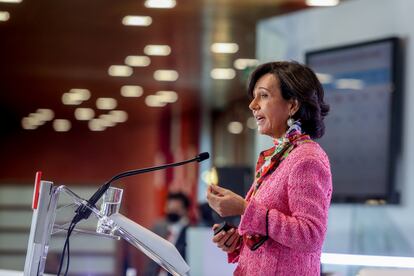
x=270 y=109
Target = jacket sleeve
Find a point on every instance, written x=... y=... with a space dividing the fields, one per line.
x=233 y=257
x=304 y=228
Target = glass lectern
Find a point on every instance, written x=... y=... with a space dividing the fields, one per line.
x=115 y=226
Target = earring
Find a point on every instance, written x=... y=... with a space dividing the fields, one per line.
x=290 y=121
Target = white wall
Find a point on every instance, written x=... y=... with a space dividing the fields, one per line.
x=355 y=228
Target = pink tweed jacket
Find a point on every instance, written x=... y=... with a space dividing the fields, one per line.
x=298 y=195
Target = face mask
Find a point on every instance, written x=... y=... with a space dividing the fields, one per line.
x=173 y=217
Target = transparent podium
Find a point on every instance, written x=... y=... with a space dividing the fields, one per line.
x=111 y=224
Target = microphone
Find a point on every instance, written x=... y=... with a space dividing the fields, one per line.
x=83 y=212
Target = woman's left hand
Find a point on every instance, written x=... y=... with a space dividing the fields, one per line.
x=228 y=241
x=225 y=202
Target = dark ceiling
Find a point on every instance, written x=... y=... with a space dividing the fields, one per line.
x=48 y=47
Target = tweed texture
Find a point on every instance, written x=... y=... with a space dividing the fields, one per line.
x=298 y=195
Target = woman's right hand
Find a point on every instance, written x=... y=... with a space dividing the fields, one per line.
x=228 y=241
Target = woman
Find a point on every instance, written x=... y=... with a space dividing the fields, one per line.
x=284 y=215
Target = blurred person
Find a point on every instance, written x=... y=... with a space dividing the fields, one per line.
x=172 y=228
x=284 y=215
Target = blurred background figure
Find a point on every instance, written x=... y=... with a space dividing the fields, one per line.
x=173 y=227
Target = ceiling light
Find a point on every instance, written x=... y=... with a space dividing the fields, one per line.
x=61 y=125
x=32 y=121
x=137 y=61
x=106 y=103
x=168 y=96
x=224 y=48
x=76 y=96
x=251 y=123
x=160 y=4
x=119 y=71
x=70 y=99
x=10 y=1
x=4 y=16
x=106 y=120
x=136 y=20
x=243 y=63
x=84 y=113
x=36 y=119
x=223 y=73
x=131 y=91
x=27 y=123
x=323 y=3
x=80 y=94
x=45 y=114
x=235 y=127
x=157 y=50
x=154 y=101
x=324 y=78
x=119 y=116
x=96 y=125
x=165 y=75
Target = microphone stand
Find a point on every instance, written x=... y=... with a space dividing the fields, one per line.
x=83 y=212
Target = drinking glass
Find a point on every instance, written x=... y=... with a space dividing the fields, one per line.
x=111 y=203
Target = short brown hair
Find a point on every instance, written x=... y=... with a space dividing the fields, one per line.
x=297 y=81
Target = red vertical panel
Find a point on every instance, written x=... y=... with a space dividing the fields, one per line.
x=163 y=150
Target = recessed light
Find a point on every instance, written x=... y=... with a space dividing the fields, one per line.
x=106 y=120
x=106 y=103
x=61 y=125
x=157 y=50
x=224 y=48
x=235 y=127
x=243 y=63
x=96 y=125
x=160 y=4
x=154 y=101
x=165 y=75
x=137 y=61
x=70 y=99
x=35 y=119
x=120 y=71
x=168 y=96
x=251 y=123
x=119 y=116
x=45 y=114
x=27 y=123
x=76 y=96
x=80 y=94
x=324 y=78
x=10 y=1
x=84 y=113
x=137 y=20
x=4 y=16
x=131 y=91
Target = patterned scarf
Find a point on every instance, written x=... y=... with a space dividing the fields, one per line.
x=270 y=159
